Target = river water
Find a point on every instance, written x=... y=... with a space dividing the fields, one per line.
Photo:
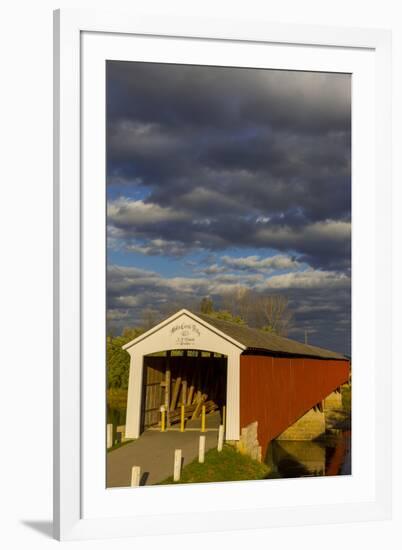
x=327 y=456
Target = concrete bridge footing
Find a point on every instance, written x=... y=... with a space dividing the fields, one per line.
x=312 y=424
x=308 y=427
x=333 y=402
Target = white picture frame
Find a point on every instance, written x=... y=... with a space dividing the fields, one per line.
x=83 y=40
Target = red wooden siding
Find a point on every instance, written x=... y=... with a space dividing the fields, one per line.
x=277 y=391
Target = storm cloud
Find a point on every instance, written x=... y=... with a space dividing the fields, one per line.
x=230 y=176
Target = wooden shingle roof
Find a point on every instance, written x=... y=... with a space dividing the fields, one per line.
x=259 y=340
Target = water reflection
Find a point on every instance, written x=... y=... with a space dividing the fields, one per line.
x=329 y=455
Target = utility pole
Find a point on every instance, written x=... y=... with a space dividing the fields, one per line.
x=305 y=336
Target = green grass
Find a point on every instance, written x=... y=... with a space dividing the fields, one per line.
x=117 y=398
x=228 y=465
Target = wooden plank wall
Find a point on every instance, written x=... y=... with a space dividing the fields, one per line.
x=206 y=375
x=277 y=391
x=153 y=393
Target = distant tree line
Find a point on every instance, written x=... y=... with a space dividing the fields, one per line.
x=268 y=312
x=117 y=359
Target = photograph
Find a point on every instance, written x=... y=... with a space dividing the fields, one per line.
x=201 y=218
x=228 y=274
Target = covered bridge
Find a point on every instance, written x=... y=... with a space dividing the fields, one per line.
x=255 y=376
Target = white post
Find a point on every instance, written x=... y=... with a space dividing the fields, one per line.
x=135 y=476
x=177 y=465
x=109 y=436
x=134 y=396
x=201 y=449
x=220 y=437
x=232 y=426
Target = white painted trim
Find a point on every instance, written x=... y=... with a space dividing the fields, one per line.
x=161 y=338
x=134 y=396
x=233 y=397
x=175 y=316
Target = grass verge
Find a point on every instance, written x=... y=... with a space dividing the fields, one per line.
x=117 y=398
x=228 y=465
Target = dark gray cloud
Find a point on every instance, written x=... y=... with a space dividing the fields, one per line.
x=227 y=147
x=185 y=96
x=209 y=160
x=323 y=244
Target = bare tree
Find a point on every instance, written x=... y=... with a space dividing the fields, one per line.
x=206 y=305
x=239 y=302
x=276 y=312
x=270 y=312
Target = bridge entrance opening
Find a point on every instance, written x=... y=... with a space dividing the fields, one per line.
x=192 y=378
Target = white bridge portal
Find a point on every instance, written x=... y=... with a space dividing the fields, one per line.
x=183 y=331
